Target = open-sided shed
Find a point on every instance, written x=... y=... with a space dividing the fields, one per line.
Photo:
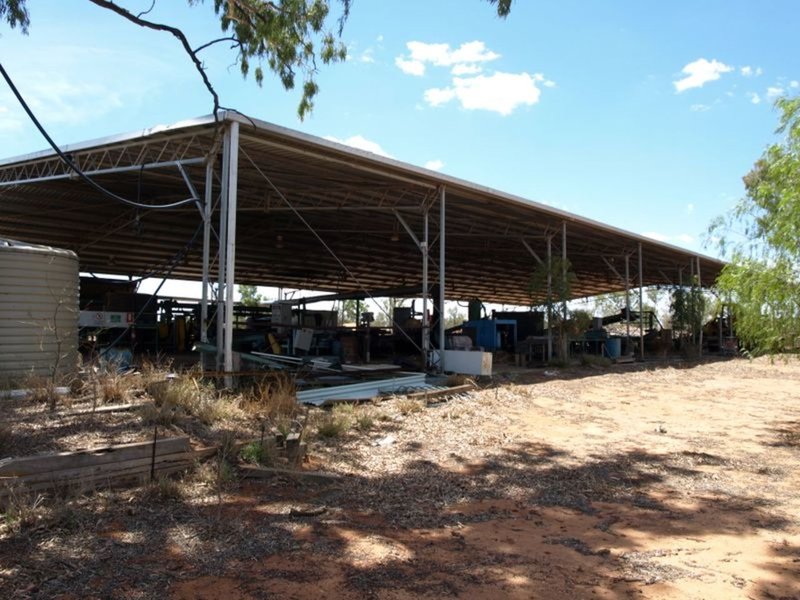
x=267 y=205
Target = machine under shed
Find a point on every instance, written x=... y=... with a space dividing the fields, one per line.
x=274 y=207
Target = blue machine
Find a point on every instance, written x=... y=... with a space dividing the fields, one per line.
x=493 y=334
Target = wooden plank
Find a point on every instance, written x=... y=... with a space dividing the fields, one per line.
x=101 y=470
x=71 y=460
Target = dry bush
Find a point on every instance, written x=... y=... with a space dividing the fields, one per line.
x=272 y=398
x=113 y=388
x=409 y=406
x=22 y=509
x=163 y=489
x=187 y=396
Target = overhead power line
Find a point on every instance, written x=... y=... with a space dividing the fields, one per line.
x=71 y=164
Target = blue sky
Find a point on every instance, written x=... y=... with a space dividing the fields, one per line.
x=644 y=115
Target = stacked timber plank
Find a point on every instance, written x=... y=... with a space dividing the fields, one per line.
x=110 y=465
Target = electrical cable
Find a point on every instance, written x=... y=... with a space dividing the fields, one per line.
x=329 y=249
x=68 y=161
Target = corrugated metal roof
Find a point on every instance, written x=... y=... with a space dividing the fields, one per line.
x=347 y=195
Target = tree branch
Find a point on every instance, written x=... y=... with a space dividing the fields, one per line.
x=107 y=4
x=217 y=41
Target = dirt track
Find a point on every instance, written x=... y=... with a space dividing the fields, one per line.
x=659 y=483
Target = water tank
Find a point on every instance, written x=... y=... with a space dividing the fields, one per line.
x=38 y=311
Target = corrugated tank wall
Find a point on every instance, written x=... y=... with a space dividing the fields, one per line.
x=38 y=310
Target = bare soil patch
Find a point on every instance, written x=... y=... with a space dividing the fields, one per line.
x=645 y=481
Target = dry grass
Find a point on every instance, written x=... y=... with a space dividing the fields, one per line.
x=175 y=399
x=409 y=406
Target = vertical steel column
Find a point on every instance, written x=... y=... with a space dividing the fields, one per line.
x=230 y=243
x=627 y=300
x=442 y=249
x=641 y=304
x=223 y=237
x=564 y=352
x=209 y=196
x=564 y=266
x=549 y=297
x=691 y=301
x=700 y=320
x=426 y=326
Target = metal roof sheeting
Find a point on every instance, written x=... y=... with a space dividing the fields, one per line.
x=348 y=196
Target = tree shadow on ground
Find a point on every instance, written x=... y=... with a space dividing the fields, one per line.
x=526 y=520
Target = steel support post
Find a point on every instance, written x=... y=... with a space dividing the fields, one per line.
x=627 y=298
x=442 y=249
x=426 y=328
x=230 y=243
x=549 y=297
x=700 y=320
x=641 y=304
x=222 y=247
x=691 y=301
x=209 y=196
x=563 y=334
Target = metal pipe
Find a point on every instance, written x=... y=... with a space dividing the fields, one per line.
x=700 y=320
x=209 y=192
x=442 y=249
x=627 y=299
x=564 y=267
x=426 y=331
x=230 y=253
x=549 y=298
x=641 y=305
x=222 y=247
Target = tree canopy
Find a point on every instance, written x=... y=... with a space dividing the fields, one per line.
x=290 y=38
x=761 y=235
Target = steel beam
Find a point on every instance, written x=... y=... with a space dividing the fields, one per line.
x=426 y=326
x=442 y=250
x=223 y=244
x=230 y=243
x=209 y=198
x=549 y=298
x=641 y=305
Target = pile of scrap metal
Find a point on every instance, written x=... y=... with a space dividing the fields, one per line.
x=322 y=379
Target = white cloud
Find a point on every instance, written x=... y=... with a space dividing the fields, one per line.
x=464 y=60
x=754 y=98
x=700 y=72
x=362 y=143
x=379 y=38
x=437 y=96
x=794 y=84
x=501 y=92
x=685 y=238
x=466 y=69
x=699 y=107
x=774 y=92
x=410 y=67
x=434 y=165
x=746 y=71
x=759 y=72
x=367 y=56
x=689 y=208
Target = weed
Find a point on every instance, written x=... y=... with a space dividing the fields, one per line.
x=409 y=406
x=365 y=419
x=332 y=426
x=164 y=415
x=187 y=396
x=163 y=489
x=259 y=454
x=22 y=509
x=113 y=388
x=272 y=398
